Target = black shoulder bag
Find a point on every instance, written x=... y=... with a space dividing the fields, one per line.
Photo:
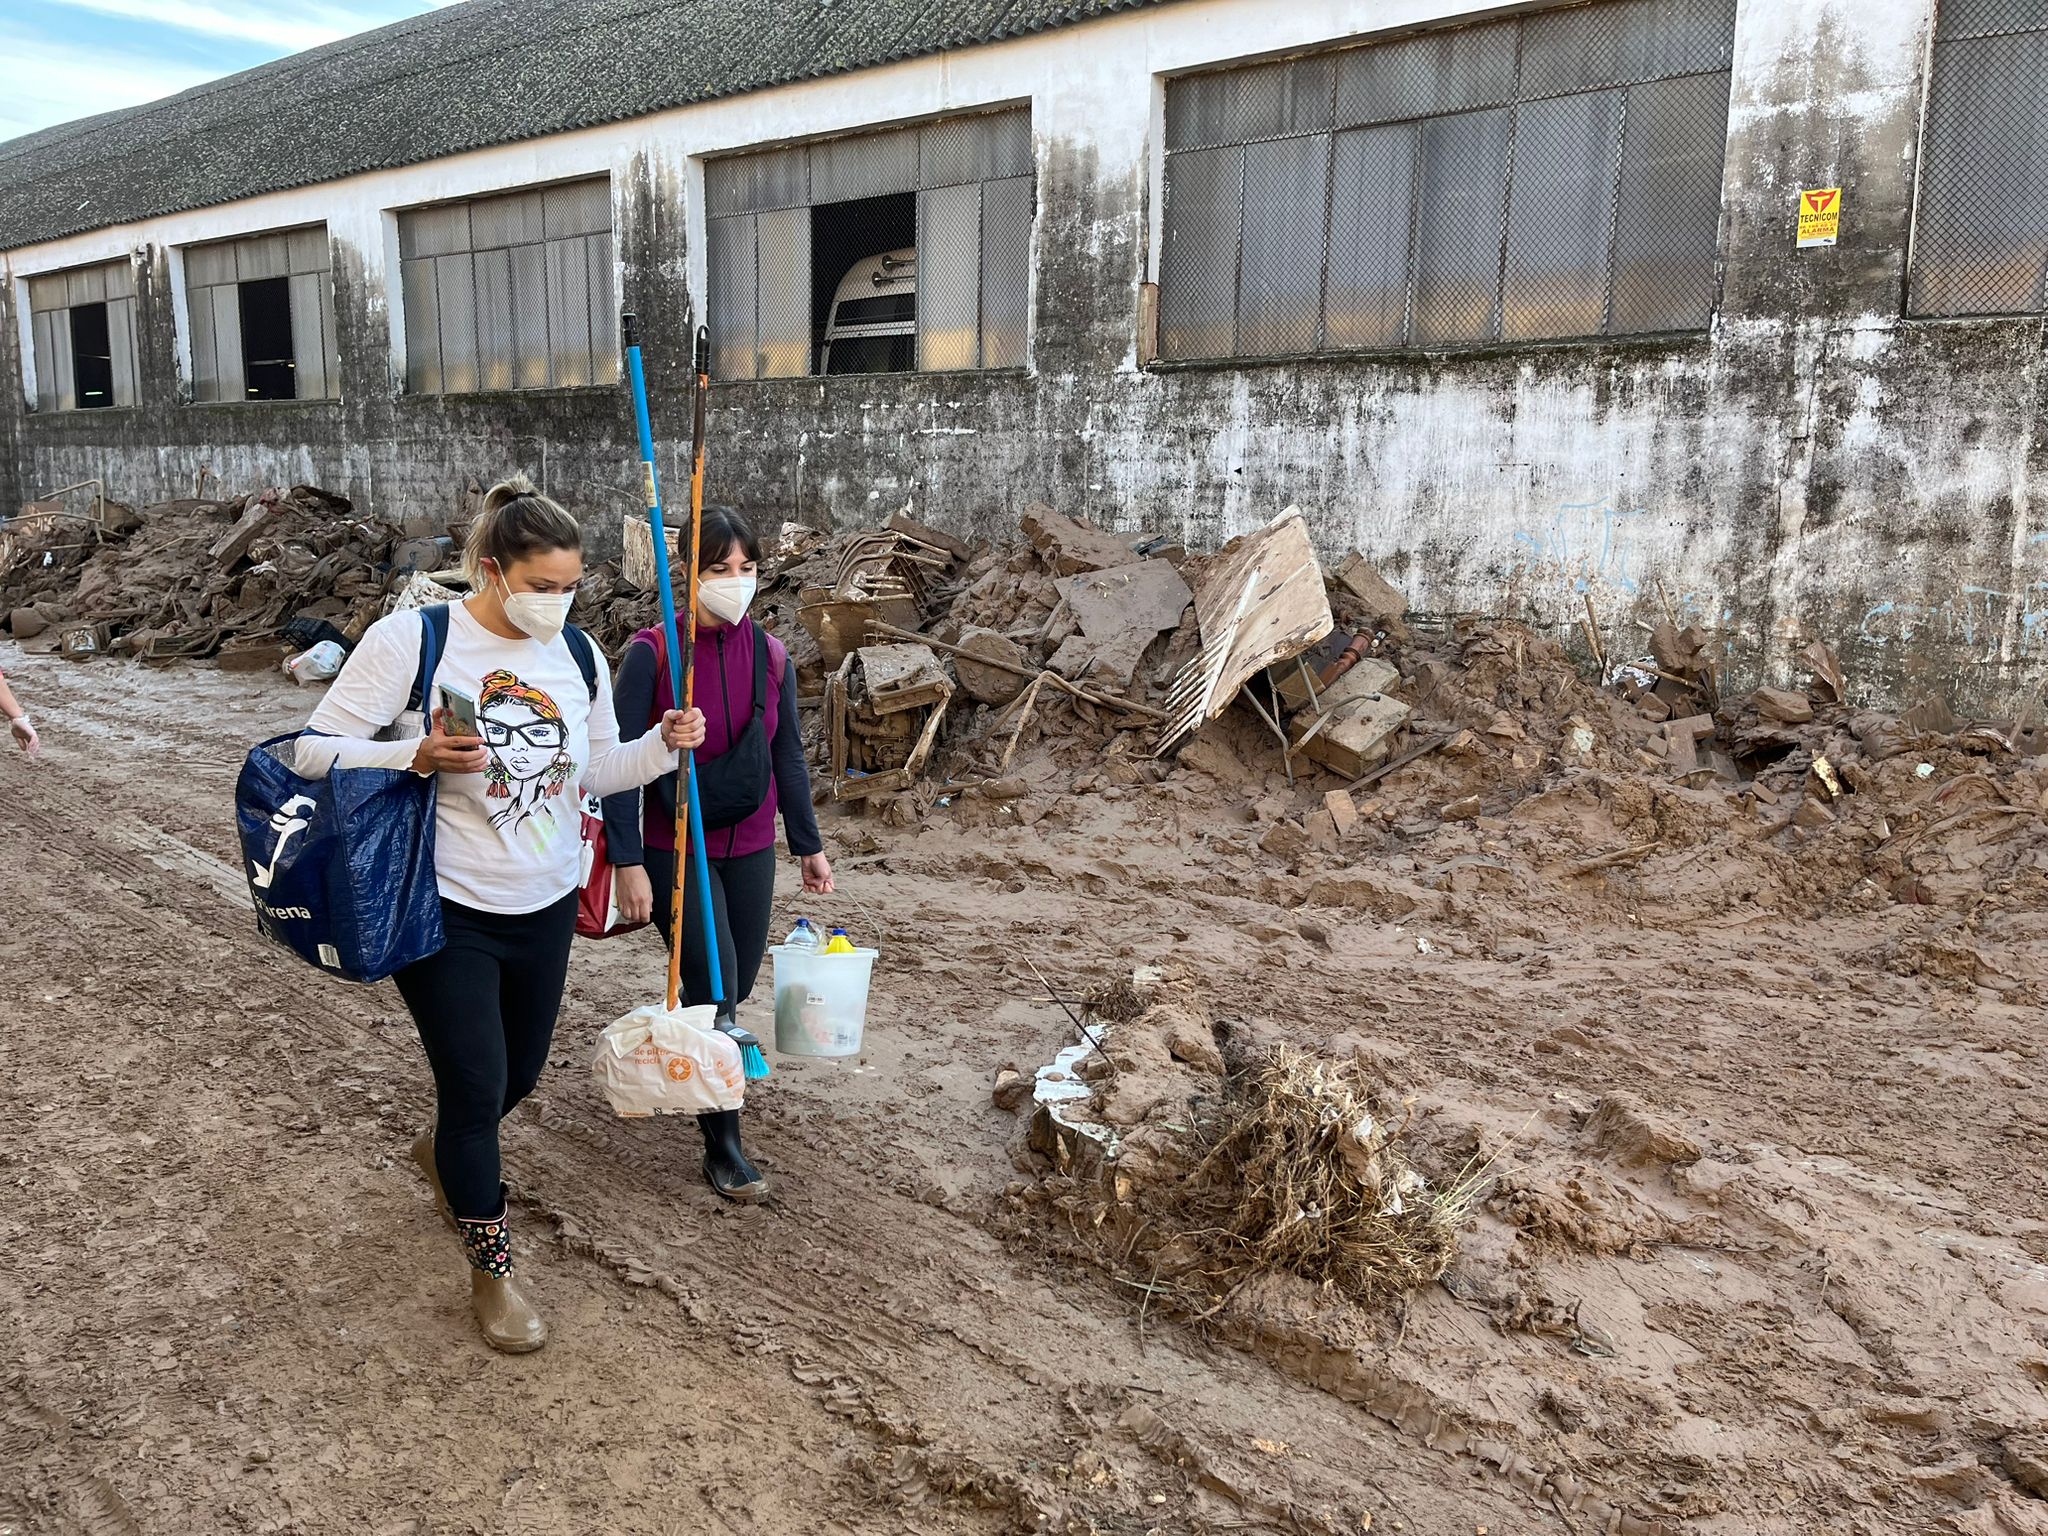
x=734 y=784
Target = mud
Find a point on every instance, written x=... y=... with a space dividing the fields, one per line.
x=1767 y=1249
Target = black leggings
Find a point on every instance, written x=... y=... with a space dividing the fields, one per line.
x=742 y=898
x=485 y=1006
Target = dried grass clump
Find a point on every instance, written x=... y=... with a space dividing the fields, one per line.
x=1119 y=1003
x=1299 y=1174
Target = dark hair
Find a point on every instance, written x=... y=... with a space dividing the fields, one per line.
x=517 y=521
x=723 y=528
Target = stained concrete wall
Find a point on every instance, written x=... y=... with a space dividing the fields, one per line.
x=1815 y=466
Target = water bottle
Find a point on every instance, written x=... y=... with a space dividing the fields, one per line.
x=803 y=936
x=839 y=944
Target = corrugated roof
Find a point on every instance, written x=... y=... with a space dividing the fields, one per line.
x=465 y=77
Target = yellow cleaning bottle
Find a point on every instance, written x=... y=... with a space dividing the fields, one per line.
x=839 y=944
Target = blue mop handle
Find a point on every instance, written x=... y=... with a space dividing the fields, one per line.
x=651 y=481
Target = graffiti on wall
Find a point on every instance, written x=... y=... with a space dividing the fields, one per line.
x=1990 y=624
x=1584 y=545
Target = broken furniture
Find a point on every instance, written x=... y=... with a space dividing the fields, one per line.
x=883 y=710
x=37 y=520
x=1348 y=724
x=884 y=576
x=1262 y=601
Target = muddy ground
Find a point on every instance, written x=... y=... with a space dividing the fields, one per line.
x=1789 y=1277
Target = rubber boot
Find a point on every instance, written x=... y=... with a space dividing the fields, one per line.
x=507 y=1318
x=726 y=1168
x=423 y=1154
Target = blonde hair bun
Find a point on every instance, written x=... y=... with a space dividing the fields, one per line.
x=516 y=523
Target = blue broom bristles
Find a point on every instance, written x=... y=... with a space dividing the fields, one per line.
x=754 y=1062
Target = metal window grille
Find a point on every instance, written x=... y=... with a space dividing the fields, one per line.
x=1980 y=230
x=95 y=305
x=510 y=292
x=214 y=275
x=971 y=180
x=1544 y=178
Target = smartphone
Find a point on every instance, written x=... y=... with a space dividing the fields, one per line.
x=461 y=712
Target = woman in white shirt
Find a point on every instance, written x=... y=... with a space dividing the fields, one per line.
x=507 y=842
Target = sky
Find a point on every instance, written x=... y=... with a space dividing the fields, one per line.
x=62 y=59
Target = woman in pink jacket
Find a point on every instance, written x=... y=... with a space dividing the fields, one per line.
x=750 y=769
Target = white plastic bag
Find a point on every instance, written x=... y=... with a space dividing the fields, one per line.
x=319 y=665
x=657 y=1062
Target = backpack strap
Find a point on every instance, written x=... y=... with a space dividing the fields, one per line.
x=761 y=644
x=660 y=648
x=433 y=641
x=586 y=657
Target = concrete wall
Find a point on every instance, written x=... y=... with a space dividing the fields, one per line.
x=1815 y=467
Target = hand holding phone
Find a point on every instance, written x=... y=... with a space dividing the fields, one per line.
x=453 y=744
x=460 y=709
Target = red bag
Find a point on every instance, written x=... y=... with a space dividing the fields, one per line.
x=597 y=906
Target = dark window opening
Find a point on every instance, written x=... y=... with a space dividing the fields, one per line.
x=864 y=285
x=873 y=354
x=268 y=368
x=92 y=357
x=901 y=306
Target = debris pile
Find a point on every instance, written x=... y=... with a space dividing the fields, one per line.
x=1192 y=1161
x=243 y=577
x=1071 y=661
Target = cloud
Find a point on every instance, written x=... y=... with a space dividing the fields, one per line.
x=52 y=82
x=246 y=21
x=76 y=58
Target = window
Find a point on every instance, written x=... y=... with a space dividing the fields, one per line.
x=881 y=253
x=1980 y=231
x=510 y=292
x=1550 y=177
x=82 y=331
x=262 y=318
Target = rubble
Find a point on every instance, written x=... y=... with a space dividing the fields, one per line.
x=1783 y=705
x=1377 y=598
x=1064 y=660
x=1069 y=547
x=1118 y=613
x=990 y=667
x=185 y=578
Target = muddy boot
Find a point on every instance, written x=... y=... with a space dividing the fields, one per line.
x=726 y=1167
x=507 y=1318
x=423 y=1154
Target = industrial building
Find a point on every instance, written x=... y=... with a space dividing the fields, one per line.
x=1723 y=309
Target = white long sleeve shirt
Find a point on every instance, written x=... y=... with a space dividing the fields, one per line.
x=509 y=839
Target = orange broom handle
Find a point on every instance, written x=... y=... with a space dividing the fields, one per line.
x=703 y=388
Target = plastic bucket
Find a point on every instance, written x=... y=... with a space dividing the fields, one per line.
x=821 y=1000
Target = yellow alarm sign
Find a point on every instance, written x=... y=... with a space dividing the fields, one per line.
x=1820 y=215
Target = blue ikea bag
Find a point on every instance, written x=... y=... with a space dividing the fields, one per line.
x=341 y=869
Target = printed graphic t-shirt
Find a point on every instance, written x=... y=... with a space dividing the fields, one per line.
x=509 y=839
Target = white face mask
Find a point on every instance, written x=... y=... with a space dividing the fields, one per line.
x=728 y=596
x=539 y=614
